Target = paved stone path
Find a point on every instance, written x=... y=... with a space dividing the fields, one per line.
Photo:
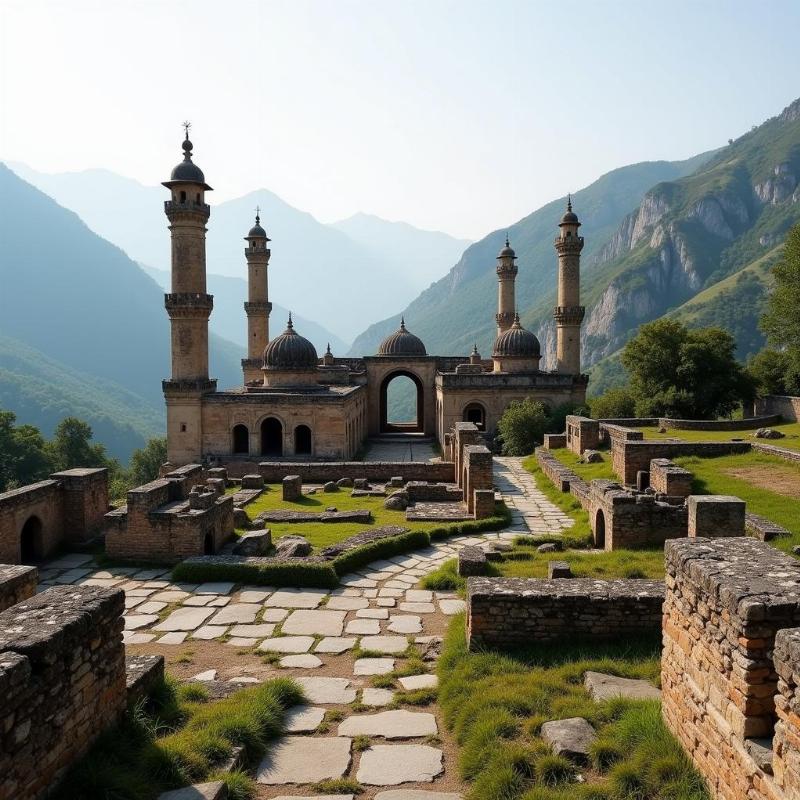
x=393 y=450
x=310 y=634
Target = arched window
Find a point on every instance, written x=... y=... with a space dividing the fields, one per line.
x=31 y=546
x=476 y=414
x=208 y=544
x=402 y=403
x=183 y=197
x=600 y=530
x=271 y=437
x=302 y=440
x=241 y=439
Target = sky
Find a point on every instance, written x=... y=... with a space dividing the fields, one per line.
x=461 y=116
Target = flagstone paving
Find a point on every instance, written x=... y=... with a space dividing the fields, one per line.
x=310 y=634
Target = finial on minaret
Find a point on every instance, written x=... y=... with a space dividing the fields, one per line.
x=475 y=349
x=569 y=201
x=290 y=325
x=402 y=323
x=516 y=320
x=258 y=219
x=328 y=351
x=507 y=244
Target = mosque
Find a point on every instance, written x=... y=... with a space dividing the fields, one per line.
x=295 y=405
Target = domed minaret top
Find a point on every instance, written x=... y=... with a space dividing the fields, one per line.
x=402 y=343
x=187 y=171
x=257 y=232
x=570 y=217
x=507 y=251
x=475 y=356
x=506 y=276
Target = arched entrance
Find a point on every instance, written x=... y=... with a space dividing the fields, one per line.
x=476 y=414
x=271 y=437
x=241 y=440
x=31 y=546
x=302 y=440
x=208 y=544
x=401 y=418
x=600 y=530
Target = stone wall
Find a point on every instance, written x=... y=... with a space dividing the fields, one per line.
x=62 y=683
x=85 y=498
x=630 y=457
x=729 y=668
x=777 y=451
x=17 y=583
x=720 y=424
x=554 y=441
x=582 y=434
x=476 y=476
x=670 y=479
x=786 y=406
x=379 y=471
x=503 y=612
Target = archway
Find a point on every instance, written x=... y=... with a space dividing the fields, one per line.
x=241 y=439
x=600 y=530
x=476 y=414
x=31 y=546
x=407 y=411
x=302 y=440
x=208 y=544
x=271 y=437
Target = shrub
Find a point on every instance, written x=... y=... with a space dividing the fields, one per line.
x=265 y=573
x=522 y=426
x=383 y=548
x=614 y=404
x=552 y=770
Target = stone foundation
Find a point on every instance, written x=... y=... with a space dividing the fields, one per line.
x=17 y=583
x=62 y=683
x=504 y=612
x=377 y=471
x=716 y=515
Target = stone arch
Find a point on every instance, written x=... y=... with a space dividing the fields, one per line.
x=475 y=412
x=600 y=529
x=31 y=541
x=302 y=440
x=240 y=436
x=271 y=437
x=208 y=544
x=385 y=425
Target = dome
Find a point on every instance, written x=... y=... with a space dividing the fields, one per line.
x=290 y=351
x=187 y=171
x=569 y=218
x=516 y=342
x=507 y=251
x=257 y=232
x=402 y=343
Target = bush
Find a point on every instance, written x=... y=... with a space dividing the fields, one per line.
x=383 y=548
x=614 y=404
x=267 y=573
x=522 y=426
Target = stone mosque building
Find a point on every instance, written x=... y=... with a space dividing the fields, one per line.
x=293 y=404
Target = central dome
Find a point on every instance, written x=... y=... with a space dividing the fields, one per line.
x=516 y=342
x=290 y=352
x=402 y=343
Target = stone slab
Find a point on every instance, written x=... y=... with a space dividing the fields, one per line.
x=303 y=759
x=388 y=765
x=363 y=627
x=149 y=607
x=253 y=631
x=241 y=613
x=385 y=644
x=405 y=623
x=411 y=794
x=314 y=623
x=347 y=603
x=571 y=738
x=338 y=691
x=396 y=724
x=172 y=638
x=419 y=596
x=213 y=790
x=412 y=682
x=373 y=666
x=218 y=587
x=451 y=607
x=208 y=675
x=135 y=621
x=300 y=661
x=604 y=687
x=185 y=619
x=372 y=613
x=287 y=644
x=296 y=598
x=418 y=608
x=303 y=719
x=252 y=596
x=335 y=644
x=317 y=797
x=210 y=632
x=274 y=614
x=376 y=697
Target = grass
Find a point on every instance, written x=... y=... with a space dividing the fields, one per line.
x=522 y=563
x=791 y=429
x=601 y=469
x=710 y=478
x=178 y=737
x=495 y=703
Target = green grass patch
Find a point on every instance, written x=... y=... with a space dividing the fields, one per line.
x=589 y=472
x=524 y=563
x=496 y=702
x=790 y=442
x=177 y=737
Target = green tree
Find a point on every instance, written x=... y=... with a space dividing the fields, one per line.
x=146 y=461
x=23 y=454
x=614 y=404
x=71 y=446
x=768 y=371
x=781 y=322
x=522 y=426
x=684 y=373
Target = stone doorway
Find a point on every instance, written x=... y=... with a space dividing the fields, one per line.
x=31 y=546
x=417 y=423
x=476 y=414
x=241 y=439
x=302 y=440
x=600 y=530
x=271 y=437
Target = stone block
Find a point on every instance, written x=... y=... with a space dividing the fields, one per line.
x=218 y=472
x=484 y=503
x=395 y=481
x=344 y=483
x=558 y=569
x=212 y=790
x=292 y=547
x=252 y=482
x=571 y=738
x=240 y=518
x=716 y=515
x=330 y=486
x=142 y=673
x=292 y=488
x=219 y=485
x=360 y=483
x=472 y=561
x=254 y=543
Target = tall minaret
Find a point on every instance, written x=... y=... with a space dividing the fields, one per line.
x=568 y=312
x=506 y=276
x=189 y=307
x=257 y=306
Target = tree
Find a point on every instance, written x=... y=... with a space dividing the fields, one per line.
x=677 y=372
x=768 y=370
x=71 y=446
x=23 y=454
x=614 y=404
x=781 y=322
x=146 y=461
x=522 y=426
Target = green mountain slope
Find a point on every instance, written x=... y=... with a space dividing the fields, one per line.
x=458 y=310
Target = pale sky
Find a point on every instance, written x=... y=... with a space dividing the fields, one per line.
x=460 y=116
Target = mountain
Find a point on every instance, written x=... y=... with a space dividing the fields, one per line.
x=458 y=310
x=228 y=319
x=321 y=271
x=418 y=253
x=81 y=302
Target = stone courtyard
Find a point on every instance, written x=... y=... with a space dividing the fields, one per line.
x=333 y=642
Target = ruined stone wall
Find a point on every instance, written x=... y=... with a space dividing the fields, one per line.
x=43 y=504
x=667 y=478
x=726 y=602
x=720 y=424
x=17 y=583
x=610 y=432
x=582 y=434
x=630 y=457
x=477 y=476
x=786 y=406
x=85 y=502
x=323 y=471
x=503 y=612
x=62 y=683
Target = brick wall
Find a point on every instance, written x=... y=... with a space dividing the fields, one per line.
x=787 y=406
x=17 y=583
x=503 y=612
x=720 y=424
x=667 y=478
x=42 y=503
x=477 y=474
x=321 y=472
x=85 y=493
x=727 y=603
x=582 y=434
x=62 y=683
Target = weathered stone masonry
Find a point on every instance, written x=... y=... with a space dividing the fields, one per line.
x=17 y=583
x=62 y=683
x=730 y=664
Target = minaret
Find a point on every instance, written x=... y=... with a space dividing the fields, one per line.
x=506 y=276
x=188 y=306
x=257 y=307
x=568 y=312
